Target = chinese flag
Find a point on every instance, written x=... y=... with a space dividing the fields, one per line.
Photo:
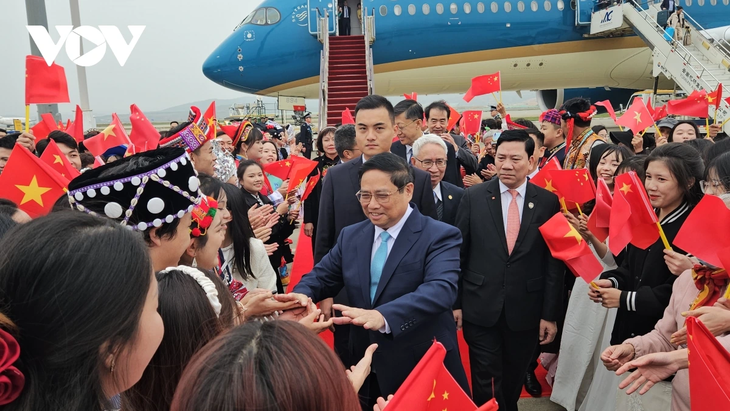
x=698 y=235
x=609 y=108
x=709 y=369
x=430 y=386
x=453 y=118
x=472 y=121
x=311 y=183
x=300 y=170
x=53 y=156
x=112 y=136
x=566 y=244
x=44 y=84
x=279 y=168
x=637 y=117
x=659 y=113
x=76 y=128
x=695 y=105
x=44 y=127
x=600 y=218
x=412 y=96
x=483 y=85
x=714 y=98
x=632 y=218
x=347 y=117
x=30 y=183
x=576 y=186
x=143 y=135
x=210 y=121
x=542 y=176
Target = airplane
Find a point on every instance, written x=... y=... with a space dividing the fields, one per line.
x=437 y=46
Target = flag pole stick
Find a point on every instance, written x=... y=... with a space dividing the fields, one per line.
x=579 y=210
x=663 y=236
x=27 y=118
x=723 y=123
x=707 y=123
x=620 y=127
x=495 y=98
x=658 y=132
x=500 y=95
x=727 y=293
x=562 y=202
x=715 y=119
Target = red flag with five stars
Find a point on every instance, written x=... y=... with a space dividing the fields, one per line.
x=453 y=118
x=659 y=113
x=566 y=244
x=633 y=220
x=576 y=186
x=430 y=386
x=695 y=105
x=347 y=117
x=144 y=135
x=714 y=98
x=472 y=122
x=44 y=84
x=600 y=218
x=279 y=168
x=483 y=85
x=112 y=136
x=301 y=169
x=709 y=369
x=53 y=156
x=210 y=119
x=609 y=108
x=637 y=117
x=30 y=183
x=311 y=183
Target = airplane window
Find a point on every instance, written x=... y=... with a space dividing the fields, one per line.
x=259 y=18
x=507 y=6
x=426 y=9
x=688 y=3
x=411 y=9
x=713 y=2
x=520 y=6
x=397 y=10
x=480 y=7
x=701 y=2
x=494 y=6
x=383 y=10
x=547 y=5
x=561 y=5
x=533 y=5
x=726 y=2
x=248 y=18
x=440 y=8
x=454 y=8
x=467 y=8
x=272 y=16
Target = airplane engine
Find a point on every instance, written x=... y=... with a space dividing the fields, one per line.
x=555 y=98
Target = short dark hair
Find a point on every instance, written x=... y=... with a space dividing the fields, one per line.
x=539 y=136
x=413 y=110
x=437 y=105
x=174 y=121
x=87 y=160
x=597 y=129
x=6 y=223
x=717 y=149
x=64 y=138
x=400 y=172
x=601 y=150
x=721 y=166
x=702 y=145
x=321 y=135
x=670 y=139
x=373 y=102
x=8 y=203
x=577 y=105
x=243 y=165
x=345 y=139
x=521 y=136
x=8 y=142
x=633 y=163
x=685 y=163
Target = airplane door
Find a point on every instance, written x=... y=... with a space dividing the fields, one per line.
x=583 y=11
x=322 y=5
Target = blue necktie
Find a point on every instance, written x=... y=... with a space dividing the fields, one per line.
x=409 y=154
x=376 y=266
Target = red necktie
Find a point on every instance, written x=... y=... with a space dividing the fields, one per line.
x=513 y=221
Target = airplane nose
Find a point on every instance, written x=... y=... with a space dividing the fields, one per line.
x=226 y=66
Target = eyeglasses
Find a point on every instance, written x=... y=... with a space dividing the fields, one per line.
x=440 y=163
x=401 y=127
x=713 y=186
x=381 y=198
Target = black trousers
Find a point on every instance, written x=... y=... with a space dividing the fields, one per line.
x=345 y=26
x=500 y=355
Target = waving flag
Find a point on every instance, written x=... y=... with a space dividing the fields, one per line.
x=483 y=85
x=44 y=84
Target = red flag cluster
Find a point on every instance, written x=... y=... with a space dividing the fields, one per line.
x=709 y=369
x=698 y=235
x=566 y=244
x=633 y=219
x=637 y=117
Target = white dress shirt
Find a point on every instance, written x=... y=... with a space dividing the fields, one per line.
x=393 y=231
x=533 y=174
x=437 y=191
x=506 y=198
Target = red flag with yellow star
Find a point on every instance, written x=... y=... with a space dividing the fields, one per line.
x=454 y=117
x=600 y=218
x=430 y=386
x=695 y=105
x=53 y=156
x=30 y=183
x=637 y=117
x=300 y=170
x=210 y=119
x=542 y=176
x=576 y=186
x=143 y=135
x=483 y=85
x=709 y=369
x=566 y=244
x=633 y=220
x=44 y=84
x=112 y=136
x=311 y=183
x=472 y=122
x=279 y=168
x=714 y=98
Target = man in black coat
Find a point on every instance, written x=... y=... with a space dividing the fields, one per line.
x=305 y=136
x=437 y=119
x=510 y=287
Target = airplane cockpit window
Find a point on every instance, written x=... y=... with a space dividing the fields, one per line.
x=266 y=16
x=272 y=16
x=259 y=18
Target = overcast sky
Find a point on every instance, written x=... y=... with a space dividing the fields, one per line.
x=164 y=69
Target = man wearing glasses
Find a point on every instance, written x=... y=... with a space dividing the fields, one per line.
x=437 y=119
x=409 y=123
x=429 y=154
x=400 y=270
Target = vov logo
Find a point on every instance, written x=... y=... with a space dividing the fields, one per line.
x=71 y=37
x=607 y=17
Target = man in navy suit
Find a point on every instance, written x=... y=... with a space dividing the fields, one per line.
x=430 y=155
x=400 y=271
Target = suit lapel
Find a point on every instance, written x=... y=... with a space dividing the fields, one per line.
x=364 y=251
x=405 y=241
x=448 y=201
x=527 y=213
x=354 y=168
x=494 y=204
x=399 y=149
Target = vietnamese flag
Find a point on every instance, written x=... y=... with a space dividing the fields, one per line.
x=483 y=85
x=430 y=386
x=311 y=183
x=53 y=156
x=472 y=122
x=637 y=117
x=44 y=127
x=453 y=118
x=600 y=218
x=44 y=84
x=714 y=98
x=347 y=117
x=695 y=105
x=698 y=235
x=76 y=128
x=210 y=119
x=609 y=108
x=279 y=168
x=542 y=177
x=709 y=369
x=143 y=135
x=566 y=244
x=30 y=183
x=576 y=186
x=112 y=136
x=633 y=220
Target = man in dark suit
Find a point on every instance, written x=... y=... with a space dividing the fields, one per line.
x=305 y=136
x=429 y=154
x=409 y=120
x=510 y=288
x=338 y=206
x=345 y=20
x=437 y=118
x=400 y=271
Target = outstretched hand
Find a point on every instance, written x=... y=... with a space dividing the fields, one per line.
x=367 y=319
x=359 y=372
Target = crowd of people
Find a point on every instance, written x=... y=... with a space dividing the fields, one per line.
x=159 y=280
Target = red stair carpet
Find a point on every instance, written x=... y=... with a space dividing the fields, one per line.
x=347 y=80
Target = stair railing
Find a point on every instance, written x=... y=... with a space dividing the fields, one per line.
x=324 y=37
x=711 y=41
x=368 y=31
